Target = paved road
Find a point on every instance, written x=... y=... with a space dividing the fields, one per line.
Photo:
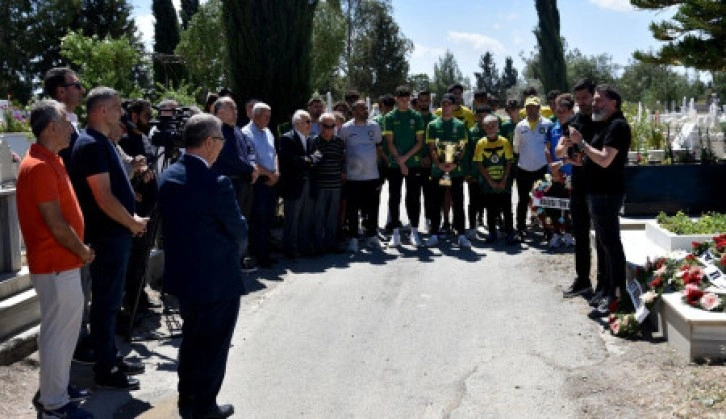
x=412 y=334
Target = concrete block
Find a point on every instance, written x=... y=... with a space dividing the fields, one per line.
x=692 y=332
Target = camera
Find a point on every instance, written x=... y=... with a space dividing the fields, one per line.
x=169 y=127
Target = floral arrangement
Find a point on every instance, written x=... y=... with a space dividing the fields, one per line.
x=678 y=272
x=552 y=219
x=14 y=120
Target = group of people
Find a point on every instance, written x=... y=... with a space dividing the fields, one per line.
x=89 y=196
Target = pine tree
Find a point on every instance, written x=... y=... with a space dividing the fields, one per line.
x=167 y=68
x=188 y=9
x=552 y=68
x=488 y=79
x=269 y=50
x=509 y=77
x=694 y=38
x=378 y=63
x=446 y=73
x=105 y=18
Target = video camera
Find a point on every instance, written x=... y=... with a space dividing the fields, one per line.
x=169 y=127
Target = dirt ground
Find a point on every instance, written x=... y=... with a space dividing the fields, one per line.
x=641 y=379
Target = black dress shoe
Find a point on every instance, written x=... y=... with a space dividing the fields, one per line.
x=117 y=380
x=130 y=367
x=223 y=411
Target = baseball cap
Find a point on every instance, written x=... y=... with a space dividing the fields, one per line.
x=532 y=100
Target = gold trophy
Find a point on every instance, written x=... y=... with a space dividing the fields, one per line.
x=448 y=152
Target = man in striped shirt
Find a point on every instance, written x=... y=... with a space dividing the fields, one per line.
x=328 y=178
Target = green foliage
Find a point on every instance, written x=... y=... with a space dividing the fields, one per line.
x=167 y=68
x=488 y=78
x=204 y=50
x=680 y=223
x=695 y=37
x=599 y=68
x=419 y=82
x=14 y=120
x=188 y=9
x=446 y=73
x=656 y=86
x=184 y=94
x=329 y=29
x=377 y=63
x=552 y=69
x=269 y=47
x=103 y=62
x=647 y=134
x=31 y=33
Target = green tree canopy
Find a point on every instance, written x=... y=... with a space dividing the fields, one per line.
x=103 y=62
x=446 y=73
x=695 y=37
x=203 y=50
x=599 y=68
x=329 y=30
x=188 y=9
x=378 y=62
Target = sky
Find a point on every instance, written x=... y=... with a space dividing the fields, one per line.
x=469 y=28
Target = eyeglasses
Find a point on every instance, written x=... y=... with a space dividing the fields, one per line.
x=219 y=138
x=326 y=126
x=75 y=84
x=307 y=122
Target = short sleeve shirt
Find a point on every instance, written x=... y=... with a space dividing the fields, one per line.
x=609 y=180
x=264 y=145
x=531 y=143
x=404 y=126
x=442 y=132
x=361 y=143
x=94 y=154
x=43 y=178
x=493 y=156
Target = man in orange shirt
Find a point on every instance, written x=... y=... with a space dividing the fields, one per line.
x=52 y=225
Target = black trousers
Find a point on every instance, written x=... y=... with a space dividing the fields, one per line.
x=414 y=179
x=428 y=187
x=362 y=196
x=525 y=182
x=457 y=204
x=207 y=335
x=476 y=203
x=498 y=203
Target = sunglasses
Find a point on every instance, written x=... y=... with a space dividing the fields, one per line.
x=75 y=84
x=326 y=126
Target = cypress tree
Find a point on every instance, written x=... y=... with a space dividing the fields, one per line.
x=552 y=68
x=167 y=69
x=188 y=9
x=269 y=50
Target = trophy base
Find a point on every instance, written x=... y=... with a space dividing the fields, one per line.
x=445 y=182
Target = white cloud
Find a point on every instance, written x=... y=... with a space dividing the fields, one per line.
x=145 y=25
x=617 y=5
x=423 y=51
x=477 y=41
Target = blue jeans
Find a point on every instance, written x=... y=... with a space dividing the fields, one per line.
x=108 y=274
x=604 y=211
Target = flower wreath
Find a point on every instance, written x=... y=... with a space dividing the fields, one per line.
x=548 y=217
x=677 y=272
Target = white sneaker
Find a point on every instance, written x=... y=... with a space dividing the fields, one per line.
x=374 y=243
x=433 y=241
x=353 y=246
x=470 y=234
x=395 y=239
x=568 y=239
x=464 y=243
x=555 y=241
x=415 y=239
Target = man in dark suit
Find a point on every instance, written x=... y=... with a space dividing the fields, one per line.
x=297 y=156
x=204 y=231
